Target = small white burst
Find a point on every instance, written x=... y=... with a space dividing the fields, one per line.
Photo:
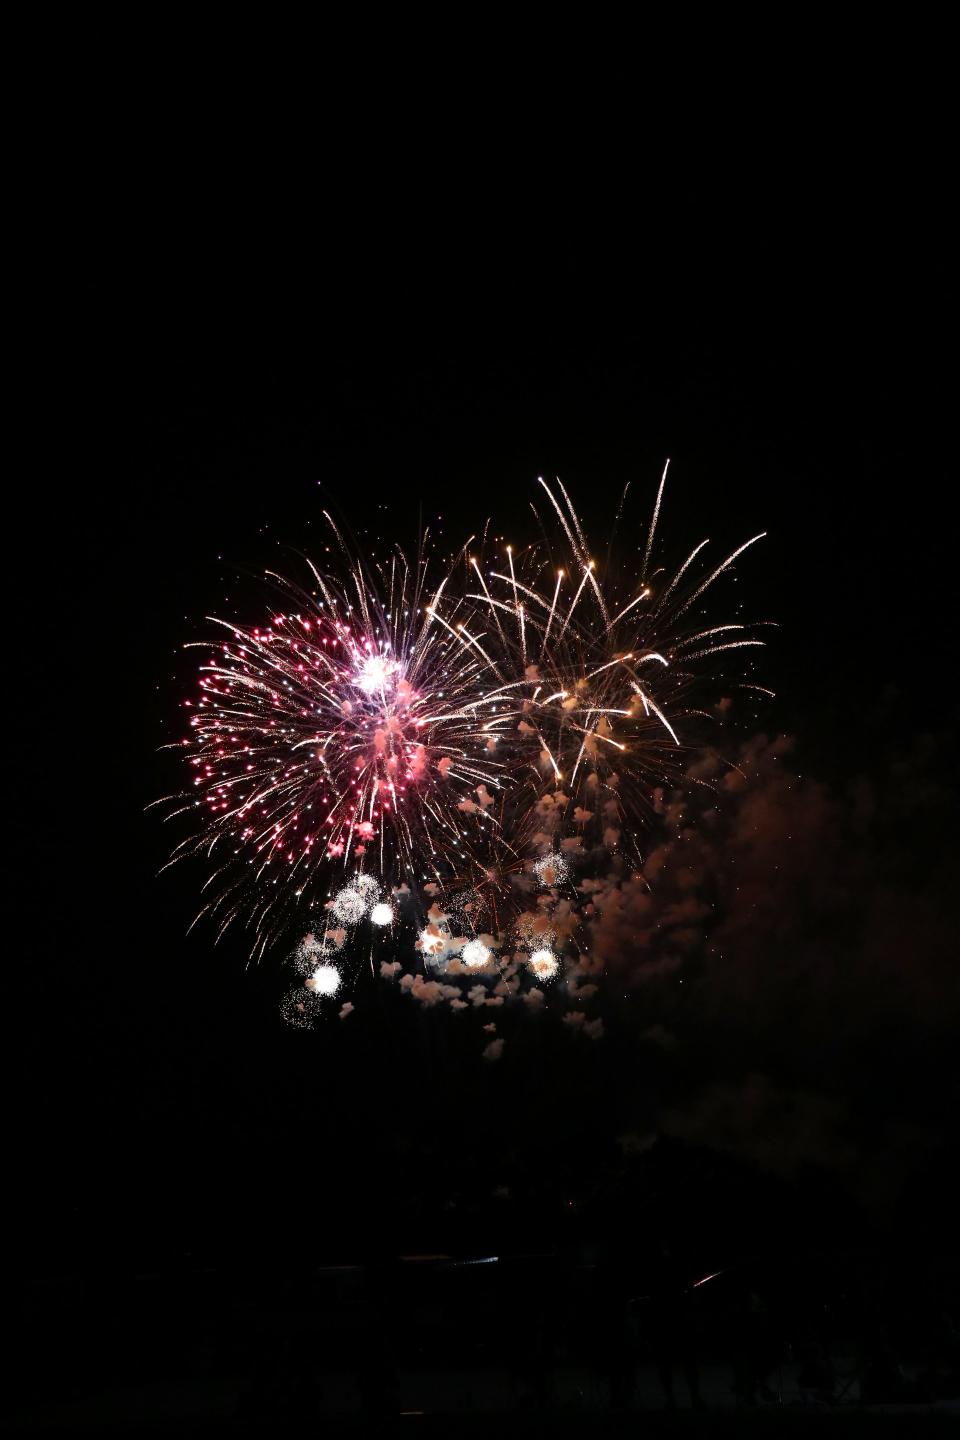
x=475 y=954
x=382 y=914
x=551 y=870
x=349 y=906
x=543 y=963
x=367 y=886
x=375 y=673
x=325 y=980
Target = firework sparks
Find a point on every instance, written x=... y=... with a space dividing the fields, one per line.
x=552 y=870
x=344 y=731
x=418 y=733
x=543 y=964
x=475 y=955
x=325 y=980
x=349 y=906
x=594 y=720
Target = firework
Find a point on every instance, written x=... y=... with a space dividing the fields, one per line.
x=551 y=870
x=301 y=1008
x=433 y=942
x=543 y=964
x=346 y=731
x=475 y=955
x=589 y=681
x=325 y=980
x=349 y=905
x=311 y=956
x=442 y=734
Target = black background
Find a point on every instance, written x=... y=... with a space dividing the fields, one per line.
x=219 y=346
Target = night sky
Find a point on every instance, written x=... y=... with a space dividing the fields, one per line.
x=216 y=366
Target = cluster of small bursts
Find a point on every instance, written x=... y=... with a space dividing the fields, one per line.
x=452 y=733
x=532 y=945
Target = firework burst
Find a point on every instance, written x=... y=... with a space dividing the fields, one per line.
x=588 y=686
x=342 y=732
x=448 y=735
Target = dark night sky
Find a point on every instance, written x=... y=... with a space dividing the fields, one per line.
x=783 y=332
